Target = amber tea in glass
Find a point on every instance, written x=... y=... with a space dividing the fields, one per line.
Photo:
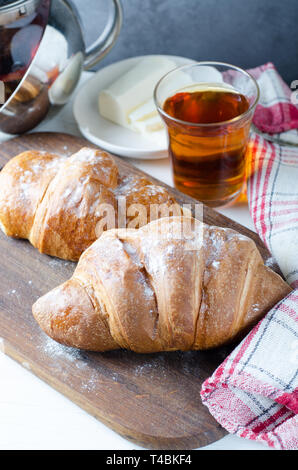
x=208 y=121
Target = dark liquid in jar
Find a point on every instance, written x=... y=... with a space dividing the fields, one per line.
x=19 y=42
x=208 y=162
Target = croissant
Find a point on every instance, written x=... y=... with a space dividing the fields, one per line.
x=161 y=288
x=53 y=201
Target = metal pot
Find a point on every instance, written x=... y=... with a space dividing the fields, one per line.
x=42 y=54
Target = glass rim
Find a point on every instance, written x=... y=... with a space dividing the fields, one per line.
x=209 y=124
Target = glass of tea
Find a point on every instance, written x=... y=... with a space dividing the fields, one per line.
x=208 y=108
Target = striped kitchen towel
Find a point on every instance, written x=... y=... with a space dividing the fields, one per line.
x=254 y=393
x=277 y=111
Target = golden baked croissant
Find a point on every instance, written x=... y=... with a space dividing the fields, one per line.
x=54 y=201
x=161 y=288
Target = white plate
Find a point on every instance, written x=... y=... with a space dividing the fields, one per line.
x=107 y=135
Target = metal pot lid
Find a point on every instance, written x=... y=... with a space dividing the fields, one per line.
x=12 y=10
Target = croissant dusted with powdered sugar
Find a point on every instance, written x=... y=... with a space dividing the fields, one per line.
x=161 y=287
x=53 y=200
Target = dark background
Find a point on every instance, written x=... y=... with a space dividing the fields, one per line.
x=243 y=32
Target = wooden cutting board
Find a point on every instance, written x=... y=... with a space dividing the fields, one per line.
x=153 y=400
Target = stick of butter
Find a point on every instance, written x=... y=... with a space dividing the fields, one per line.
x=133 y=89
x=146 y=110
x=151 y=124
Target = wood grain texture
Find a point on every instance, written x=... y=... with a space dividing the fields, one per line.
x=152 y=399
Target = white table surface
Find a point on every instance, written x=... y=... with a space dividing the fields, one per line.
x=35 y=416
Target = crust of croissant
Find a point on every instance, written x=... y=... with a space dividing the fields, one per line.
x=70 y=204
x=161 y=295
x=22 y=190
x=123 y=288
x=177 y=307
x=68 y=315
x=243 y=279
x=55 y=201
x=226 y=279
x=37 y=199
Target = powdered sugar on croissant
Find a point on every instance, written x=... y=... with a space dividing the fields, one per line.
x=55 y=202
x=175 y=283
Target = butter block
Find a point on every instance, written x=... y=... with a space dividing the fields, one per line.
x=151 y=124
x=144 y=111
x=133 y=89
